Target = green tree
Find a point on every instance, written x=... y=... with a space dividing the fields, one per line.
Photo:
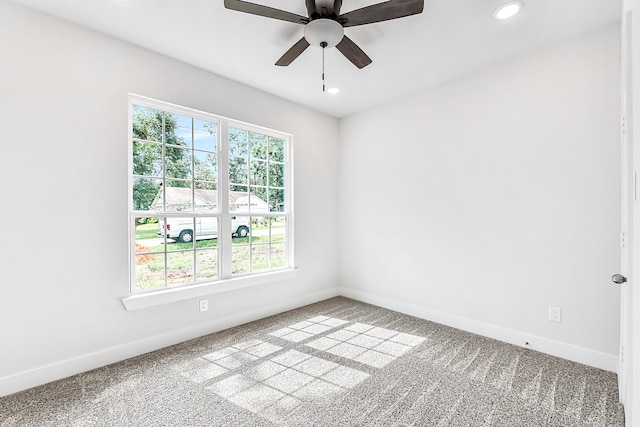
x=238 y=158
x=276 y=174
x=257 y=160
x=205 y=171
x=148 y=128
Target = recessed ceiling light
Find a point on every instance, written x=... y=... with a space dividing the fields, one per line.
x=508 y=10
x=333 y=90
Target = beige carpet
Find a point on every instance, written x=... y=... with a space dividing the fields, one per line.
x=334 y=363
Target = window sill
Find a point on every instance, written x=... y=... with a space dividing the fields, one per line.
x=168 y=296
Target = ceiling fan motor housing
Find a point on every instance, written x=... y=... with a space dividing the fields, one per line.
x=323 y=30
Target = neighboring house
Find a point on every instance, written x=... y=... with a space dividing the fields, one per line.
x=180 y=198
x=240 y=201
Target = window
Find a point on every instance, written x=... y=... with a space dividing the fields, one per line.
x=209 y=198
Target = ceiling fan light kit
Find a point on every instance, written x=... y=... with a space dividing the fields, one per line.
x=324 y=25
x=323 y=30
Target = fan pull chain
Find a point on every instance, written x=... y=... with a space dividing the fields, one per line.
x=323 y=45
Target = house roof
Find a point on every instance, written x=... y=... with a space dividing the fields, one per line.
x=180 y=198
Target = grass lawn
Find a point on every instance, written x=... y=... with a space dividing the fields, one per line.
x=146 y=231
x=181 y=267
x=274 y=224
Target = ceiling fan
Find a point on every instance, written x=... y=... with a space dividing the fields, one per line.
x=325 y=25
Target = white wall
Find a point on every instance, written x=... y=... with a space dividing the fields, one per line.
x=63 y=127
x=483 y=201
x=478 y=203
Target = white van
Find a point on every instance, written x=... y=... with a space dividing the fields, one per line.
x=181 y=229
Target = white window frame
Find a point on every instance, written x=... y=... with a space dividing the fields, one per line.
x=226 y=281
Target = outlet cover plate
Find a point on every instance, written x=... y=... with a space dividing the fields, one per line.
x=555 y=314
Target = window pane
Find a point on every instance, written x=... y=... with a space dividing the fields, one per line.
x=149 y=255
x=259 y=173
x=278 y=227
x=241 y=245
x=276 y=175
x=205 y=135
x=258 y=200
x=276 y=150
x=276 y=200
x=178 y=130
x=147 y=123
x=181 y=231
x=205 y=200
x=267 y=241
x=204 y=185
x=205 y=166
x=145 y=194
x=178 y=162
x=277 y=255
x=146 y=233
x=240 y=259
x=238 y=143
x=206 y=264
x=149 y=272
x=238 y=170
x=241 y=228
x=258 y=143
x=260 y=230
x=179 y=196
x=206 y=227
x=259 y=257
x=147 y=159
x=179 y=267
x=238 y=198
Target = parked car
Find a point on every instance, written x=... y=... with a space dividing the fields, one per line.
x=181 y=229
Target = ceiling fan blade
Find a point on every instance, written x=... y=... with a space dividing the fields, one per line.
x=353 y=53
x=293 y=53
x=391 y=9
x=269 y=12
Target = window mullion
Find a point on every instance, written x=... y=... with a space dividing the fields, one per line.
x=132 y=252
x=164 y=193
x=194 y=272
x=288 y=204
x=224 y=236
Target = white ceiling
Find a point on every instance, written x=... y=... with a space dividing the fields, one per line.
x=449 y=39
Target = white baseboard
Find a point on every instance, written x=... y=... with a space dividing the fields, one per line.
x=66 y=368
x=608 y=362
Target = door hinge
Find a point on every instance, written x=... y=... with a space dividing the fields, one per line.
x=623 y=239
x=624 y=124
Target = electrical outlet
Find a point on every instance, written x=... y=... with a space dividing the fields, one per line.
x=204 y=305
x=555 y=314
